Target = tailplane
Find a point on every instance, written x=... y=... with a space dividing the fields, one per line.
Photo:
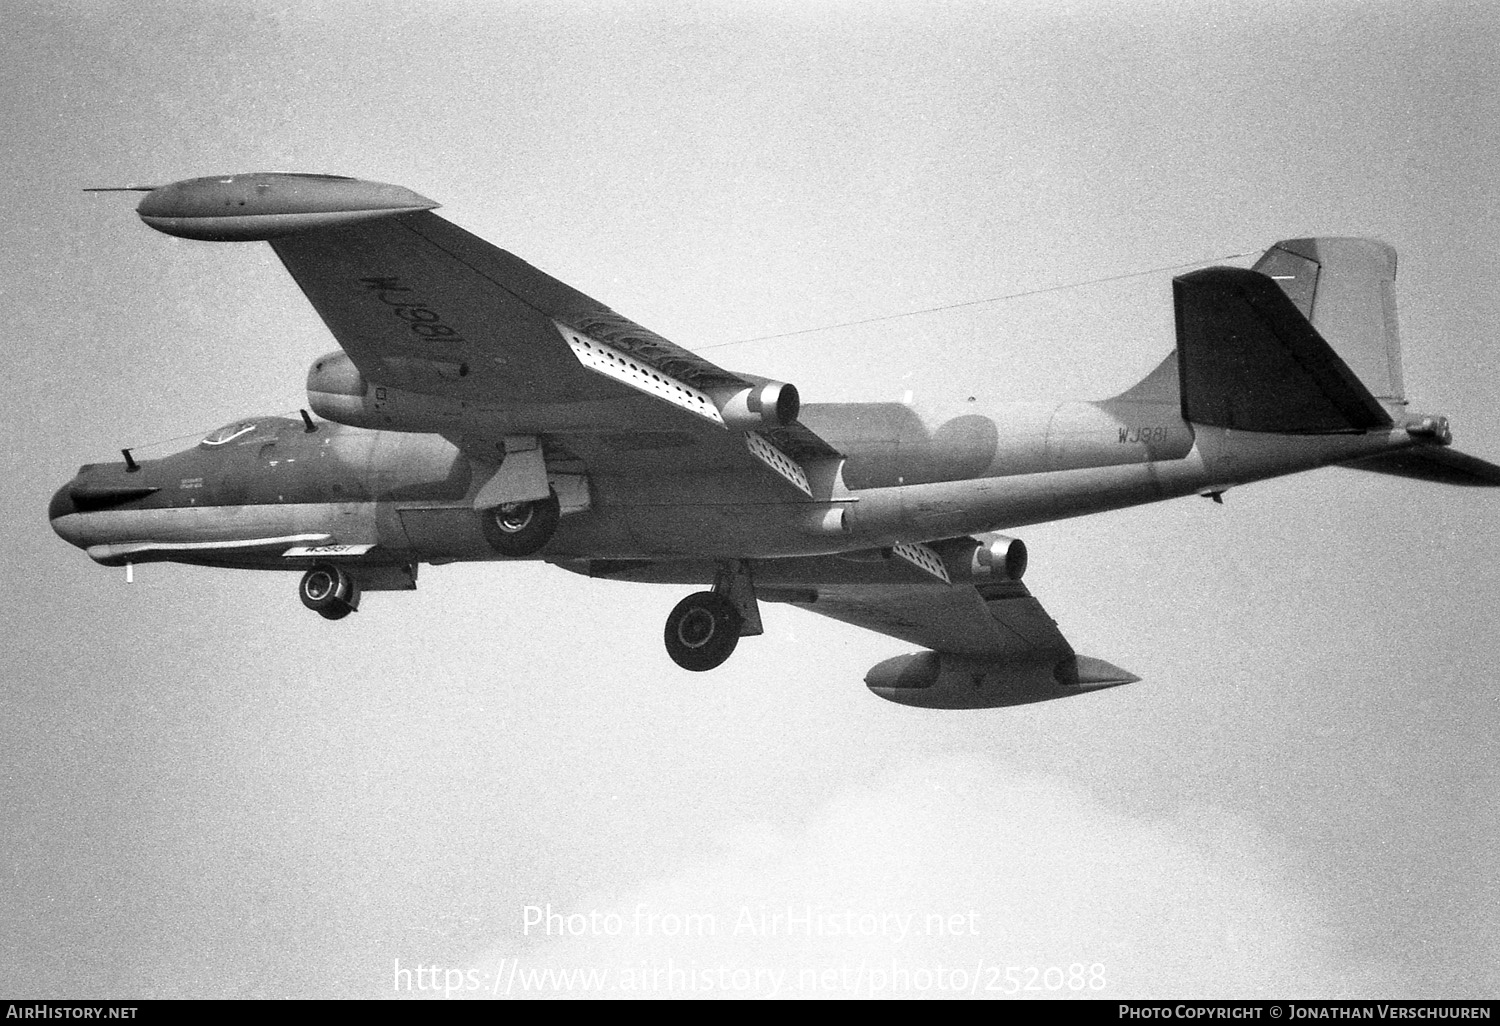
x=1444 y=466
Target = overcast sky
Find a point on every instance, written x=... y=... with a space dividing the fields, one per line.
x=207 y=791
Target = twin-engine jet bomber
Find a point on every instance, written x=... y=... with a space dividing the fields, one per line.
x=481 y=410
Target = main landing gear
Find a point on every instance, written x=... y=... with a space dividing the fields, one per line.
x=704 y=628
x=702 y=631
x=519 y=529
x=329 y=591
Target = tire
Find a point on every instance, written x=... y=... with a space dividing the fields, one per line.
x=702 y=631
x=523 y=528
x=329 y=592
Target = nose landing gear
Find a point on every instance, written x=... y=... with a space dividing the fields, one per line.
x=328 y=591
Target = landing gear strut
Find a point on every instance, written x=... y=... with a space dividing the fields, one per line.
x=518 y=529
x=329 y=592
x=702 y=631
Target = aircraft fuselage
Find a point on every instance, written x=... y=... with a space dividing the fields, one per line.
x=409 y=497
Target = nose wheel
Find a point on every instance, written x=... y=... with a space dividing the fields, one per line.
x=702 y=631
x=328 y=591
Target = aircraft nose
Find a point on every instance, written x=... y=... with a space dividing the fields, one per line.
x=62 y=511
x=62 y=503
x=99 y=487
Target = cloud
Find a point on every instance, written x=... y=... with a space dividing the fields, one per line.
x=953 y=876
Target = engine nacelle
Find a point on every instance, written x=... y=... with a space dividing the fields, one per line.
x=337 y=391
x=983 y=558
x=763 y=405
x=998 y=557
x=943 y=680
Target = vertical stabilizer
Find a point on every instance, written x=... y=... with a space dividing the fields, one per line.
x=1347 y=289
x=1160 y=387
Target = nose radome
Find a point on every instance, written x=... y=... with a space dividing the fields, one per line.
x=98 y=486
x=61 y=504
x=63 y=512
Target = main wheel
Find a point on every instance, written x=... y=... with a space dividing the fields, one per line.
x=519 y=529
x=329 y=592
x=702 y=631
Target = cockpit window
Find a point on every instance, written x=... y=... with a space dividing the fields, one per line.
x=229 y=433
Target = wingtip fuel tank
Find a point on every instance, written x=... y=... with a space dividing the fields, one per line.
x=268 y=205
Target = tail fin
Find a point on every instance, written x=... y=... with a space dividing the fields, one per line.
x=1317 y=355
x=1346 y=288
x=1160 y=387
x=1306 y=342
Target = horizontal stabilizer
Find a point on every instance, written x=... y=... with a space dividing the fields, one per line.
x=1249 y=360
x=1444 y=466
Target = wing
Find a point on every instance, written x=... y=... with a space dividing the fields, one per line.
x=487 y=350
x=989 y=644
x=1001 y=620
x=409 y=297
x=422 y=305
x=989 y=641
